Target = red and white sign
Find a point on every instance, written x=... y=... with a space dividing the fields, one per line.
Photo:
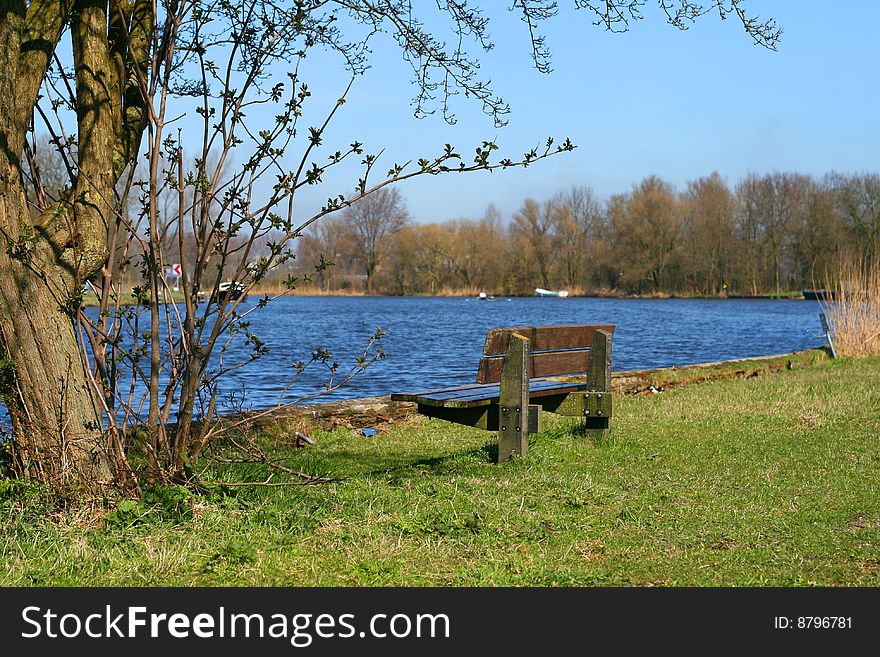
x=177 y=270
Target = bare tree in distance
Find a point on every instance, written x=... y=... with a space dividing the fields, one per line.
x=857 y=198
x=708 y=208
x=533 y=226
x=649 y=227
x=578 y=232
x=371 y=221
x=329 y=243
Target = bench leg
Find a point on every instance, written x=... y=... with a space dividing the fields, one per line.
x=597 y=427
x=513 y=403
x=599 y=379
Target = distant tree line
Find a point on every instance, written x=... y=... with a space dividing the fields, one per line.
x=770 y=233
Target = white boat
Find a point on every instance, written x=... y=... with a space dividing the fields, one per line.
x=541 y=292
x=482 y=296
x=228 y=291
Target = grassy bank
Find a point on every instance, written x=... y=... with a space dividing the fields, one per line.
x=473 y=292
x=771 y=480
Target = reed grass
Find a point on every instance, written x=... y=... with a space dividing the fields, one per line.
x=279 y=288
x=853 y=310
x=463 y=291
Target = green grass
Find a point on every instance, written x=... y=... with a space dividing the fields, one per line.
x=764 y=481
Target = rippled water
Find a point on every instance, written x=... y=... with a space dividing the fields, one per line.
x=432 y=341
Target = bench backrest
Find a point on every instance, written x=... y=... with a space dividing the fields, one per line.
x=555 y=350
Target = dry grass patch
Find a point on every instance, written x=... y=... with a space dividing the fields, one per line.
x=854 y=311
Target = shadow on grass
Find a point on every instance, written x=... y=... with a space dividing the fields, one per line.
x=350 y=464
x=400 y=458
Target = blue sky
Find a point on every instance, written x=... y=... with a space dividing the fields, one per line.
x=651 y=101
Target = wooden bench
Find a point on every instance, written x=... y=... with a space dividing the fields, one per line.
x=562 y=369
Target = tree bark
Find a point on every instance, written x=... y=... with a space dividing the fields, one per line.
x=55 y=412
x=57 y=423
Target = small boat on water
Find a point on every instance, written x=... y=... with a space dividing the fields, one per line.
x=819 y=295
x=228 y=291
x=541 y=292
x=482 y=296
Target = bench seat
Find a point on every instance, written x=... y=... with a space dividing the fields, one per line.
x=484 y=394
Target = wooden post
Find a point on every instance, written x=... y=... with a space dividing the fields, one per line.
x=599 y=378
x=827 y=329
x=513 y=402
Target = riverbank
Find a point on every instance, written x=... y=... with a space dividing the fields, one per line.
x=741 y=481
x=577 y=293
x=91 y=300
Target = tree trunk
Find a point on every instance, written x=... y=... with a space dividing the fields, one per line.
x=370 y=268
x=56 y=421
x=45 y=256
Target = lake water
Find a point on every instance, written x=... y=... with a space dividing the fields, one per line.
x=434 y=341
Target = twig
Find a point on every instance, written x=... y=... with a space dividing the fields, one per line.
x=267 y=484
x=297 y=473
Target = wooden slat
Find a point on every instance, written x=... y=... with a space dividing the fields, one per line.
x=544 y=338
x=451 y=391
x=490 y=390
x=474 y=396
x=548 y=363
x=427 y=400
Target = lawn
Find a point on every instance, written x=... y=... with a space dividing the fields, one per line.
x=770 y=480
